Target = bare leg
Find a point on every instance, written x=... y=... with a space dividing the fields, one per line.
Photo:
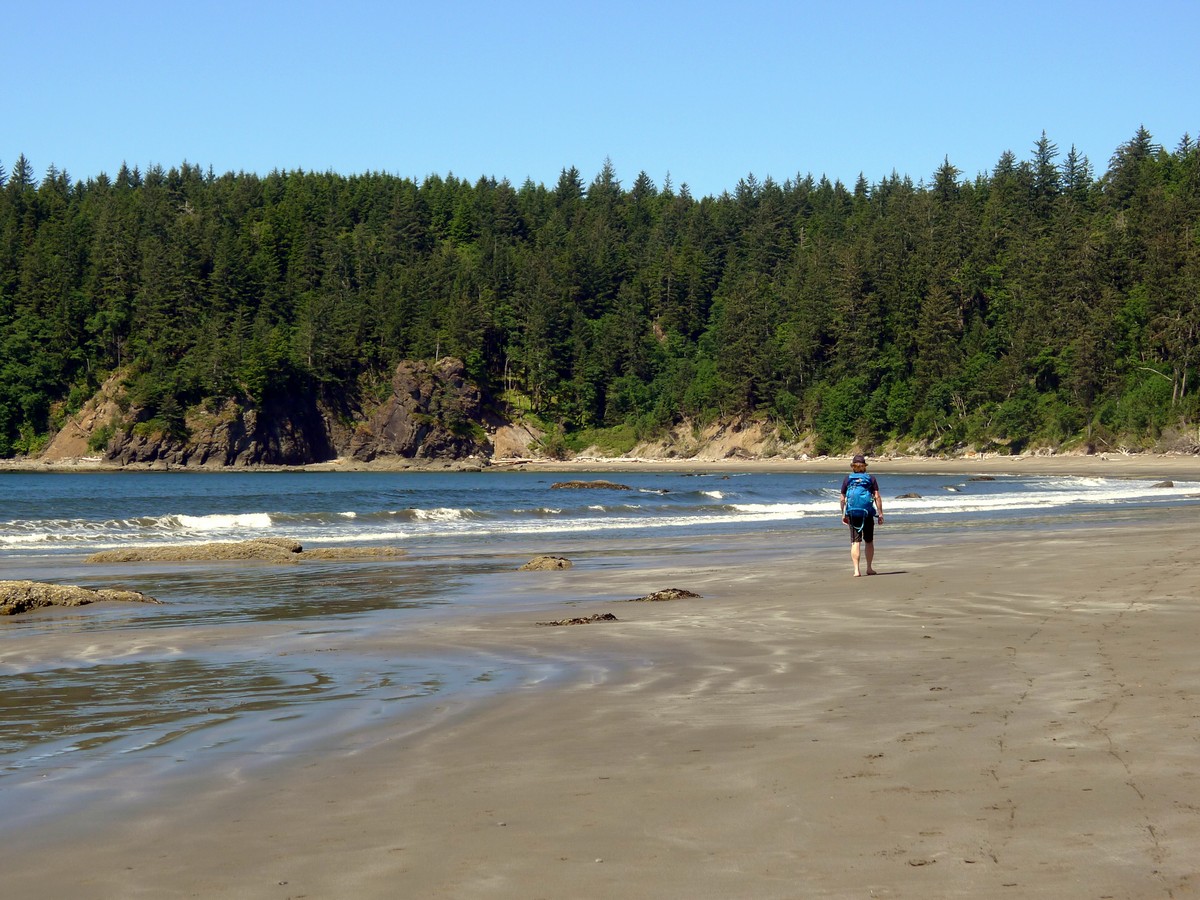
x=854 y=554
x=870 y=557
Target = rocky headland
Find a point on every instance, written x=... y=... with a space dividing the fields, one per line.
x=429 y=412
x=433 y=416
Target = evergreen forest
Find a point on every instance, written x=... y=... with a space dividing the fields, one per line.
x=1040 y=304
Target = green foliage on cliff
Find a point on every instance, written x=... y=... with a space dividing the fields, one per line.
x=1035 y=303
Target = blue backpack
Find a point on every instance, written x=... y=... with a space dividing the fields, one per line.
x=860 y=499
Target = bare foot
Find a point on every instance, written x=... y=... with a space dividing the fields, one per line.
x=872 y=572
x=859 y=574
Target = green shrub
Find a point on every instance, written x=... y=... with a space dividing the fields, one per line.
x=99 y=439
x=30 y=442
x=1143 y=407
x=842 y=410
x=553 y=445
x=615 y=441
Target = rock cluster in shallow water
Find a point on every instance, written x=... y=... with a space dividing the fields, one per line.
x=22 y=596
x=546 y=563
x=278 y=550
x=589 y=485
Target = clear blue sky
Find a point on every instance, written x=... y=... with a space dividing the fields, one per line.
x=705 y=91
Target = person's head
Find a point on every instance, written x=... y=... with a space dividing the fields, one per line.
x=859 y=463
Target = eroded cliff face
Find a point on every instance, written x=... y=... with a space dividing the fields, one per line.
x=282 y=432
x=434 y=412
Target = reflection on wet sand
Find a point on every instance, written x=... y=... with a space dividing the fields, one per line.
x=245 y=660
x=150 y=703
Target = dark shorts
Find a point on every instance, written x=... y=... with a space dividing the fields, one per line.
x=862 y=528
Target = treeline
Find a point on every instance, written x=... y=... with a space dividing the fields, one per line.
x=1038 y=302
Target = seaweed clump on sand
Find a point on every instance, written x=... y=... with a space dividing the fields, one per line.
x=583 y=620
x=666 y=594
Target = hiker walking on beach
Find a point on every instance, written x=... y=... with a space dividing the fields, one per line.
x=861 y=508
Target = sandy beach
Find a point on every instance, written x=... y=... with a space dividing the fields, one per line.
x=1009 y=716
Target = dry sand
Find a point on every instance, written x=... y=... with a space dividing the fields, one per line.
x=1141 y=465
x=1010 y=717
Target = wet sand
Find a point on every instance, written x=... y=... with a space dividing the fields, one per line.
x=992 y=716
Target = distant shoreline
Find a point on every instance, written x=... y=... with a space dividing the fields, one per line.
x=1141 y=465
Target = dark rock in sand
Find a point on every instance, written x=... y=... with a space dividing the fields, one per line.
x=583 y=620
x=1165 y=484
x=22 y=596
x=544 y=563
x=585 y=485
x=667 y=594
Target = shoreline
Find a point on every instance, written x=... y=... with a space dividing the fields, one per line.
x=988 y=718
x=1151 y=465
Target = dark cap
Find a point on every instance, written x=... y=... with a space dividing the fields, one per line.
x=858 y=458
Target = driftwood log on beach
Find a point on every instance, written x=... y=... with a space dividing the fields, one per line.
x=22 y=596
x=276 y=550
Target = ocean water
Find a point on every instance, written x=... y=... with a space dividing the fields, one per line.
x=49 y=516
x=251 y=660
